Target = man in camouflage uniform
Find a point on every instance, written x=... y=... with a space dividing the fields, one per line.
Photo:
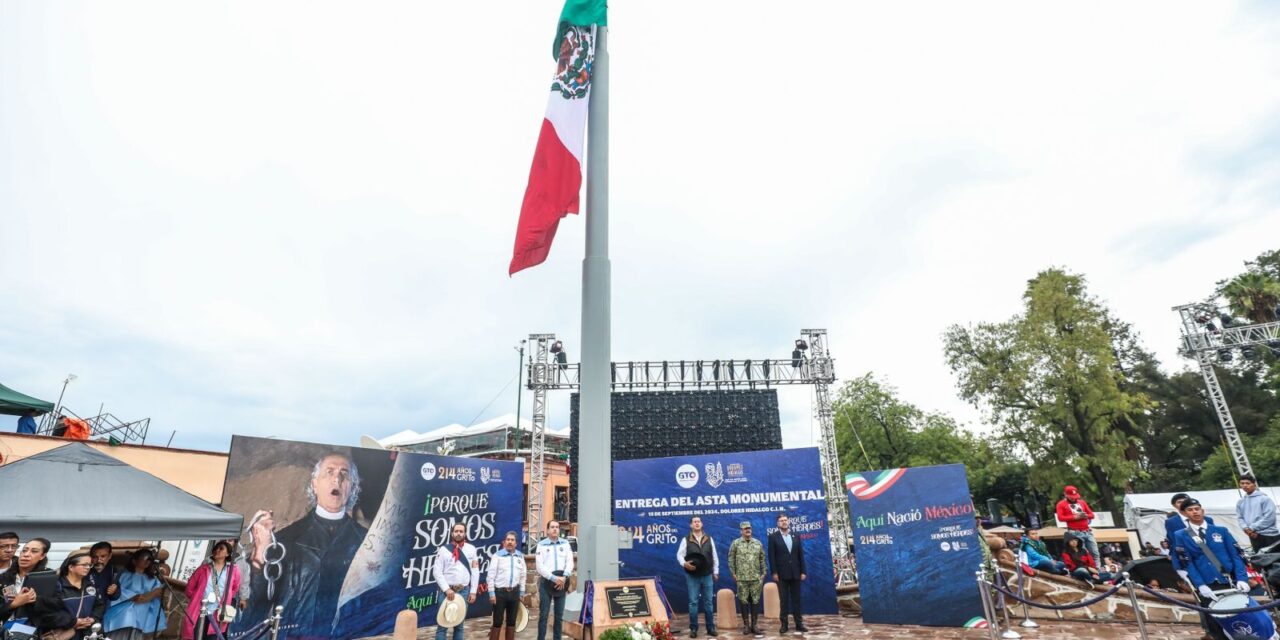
x=747 y=566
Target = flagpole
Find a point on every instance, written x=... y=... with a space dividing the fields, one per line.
x=598 y=540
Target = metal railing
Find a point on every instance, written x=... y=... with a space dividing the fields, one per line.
x=105 y=425
x=991 y=591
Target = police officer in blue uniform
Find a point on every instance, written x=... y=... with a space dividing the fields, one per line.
x=1209 y=555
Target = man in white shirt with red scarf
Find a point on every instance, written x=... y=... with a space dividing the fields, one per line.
x=457 y=572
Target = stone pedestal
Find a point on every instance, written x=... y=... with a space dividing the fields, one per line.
x=772 y=607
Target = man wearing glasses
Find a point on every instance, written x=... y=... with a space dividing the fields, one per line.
x=8 y=548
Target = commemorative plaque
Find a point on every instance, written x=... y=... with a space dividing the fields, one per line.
x=616 y=603
x=628 y=601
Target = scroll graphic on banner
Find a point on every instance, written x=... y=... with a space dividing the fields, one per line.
x=655 y=498
x=917 y=542
x=354 y=531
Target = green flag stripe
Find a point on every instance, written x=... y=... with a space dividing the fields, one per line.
x=583 y=12
x=578 y=13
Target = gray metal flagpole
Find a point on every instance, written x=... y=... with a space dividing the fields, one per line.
x=597 y=537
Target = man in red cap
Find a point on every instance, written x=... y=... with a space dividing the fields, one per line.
x=1073 y=510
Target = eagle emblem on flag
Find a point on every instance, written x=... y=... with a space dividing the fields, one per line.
x=573 y=65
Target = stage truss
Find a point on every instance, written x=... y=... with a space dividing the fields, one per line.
x=811 y=366
x=1202 y=340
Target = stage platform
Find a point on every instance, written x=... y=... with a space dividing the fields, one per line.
x=837 y=627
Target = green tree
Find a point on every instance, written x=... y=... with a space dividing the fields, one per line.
x=1181 y=436
x=875 y=429
x=1219 y=471
x=1267 y=264
x=1254 y=296
x=1051 y=378
x=1181 y=429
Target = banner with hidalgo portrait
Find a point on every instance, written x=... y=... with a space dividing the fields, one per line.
x=345 y=537
x=655 y=499
x=917 y=543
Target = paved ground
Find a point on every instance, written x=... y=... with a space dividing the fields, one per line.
x=834 y=627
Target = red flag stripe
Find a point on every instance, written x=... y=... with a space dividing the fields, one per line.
x=555 y=180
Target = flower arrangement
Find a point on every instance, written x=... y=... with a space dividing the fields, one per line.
x=638 y=631
x=660 y=631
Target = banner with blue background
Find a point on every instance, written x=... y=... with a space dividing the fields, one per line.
x=917 y=546
x=655 y=499
x=354 y=531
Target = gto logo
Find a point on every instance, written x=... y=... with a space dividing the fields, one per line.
x=428 y=471
x=687 y=476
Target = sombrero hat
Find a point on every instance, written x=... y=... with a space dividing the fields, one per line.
x=452 y=612
x=522 y=618
x=696 y=559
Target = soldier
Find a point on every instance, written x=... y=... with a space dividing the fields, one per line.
x=747 y=566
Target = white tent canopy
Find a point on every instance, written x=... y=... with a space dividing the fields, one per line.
x=1146 y=512
x=410 y=437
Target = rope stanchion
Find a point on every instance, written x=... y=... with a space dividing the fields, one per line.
x=985 y=594
x=1217 y=612
x=200 y=624
x=1133 y=602
x=1063 y=607
x=1008 y=633
x=276 y=615
x=255 y=632
x=1027 y=622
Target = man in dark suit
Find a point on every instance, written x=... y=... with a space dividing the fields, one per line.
x=786 y=557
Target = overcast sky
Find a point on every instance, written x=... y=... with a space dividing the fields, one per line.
x=294 y=219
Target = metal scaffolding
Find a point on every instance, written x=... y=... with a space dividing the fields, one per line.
x=105 y=425
x=539 y=374
x=822 y=373
x=1203 y=339
x=810 y=365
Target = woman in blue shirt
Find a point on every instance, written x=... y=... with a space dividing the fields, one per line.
x=136 y=613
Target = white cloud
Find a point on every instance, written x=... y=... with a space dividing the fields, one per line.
x=295 y=219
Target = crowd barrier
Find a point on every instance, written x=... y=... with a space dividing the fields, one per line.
x=990 y=608
x=270 y=625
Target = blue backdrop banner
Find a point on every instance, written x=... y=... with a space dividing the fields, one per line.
x=655 y=499
x=353 y=532
x=917 y=546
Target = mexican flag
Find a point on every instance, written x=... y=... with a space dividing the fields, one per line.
x=555 y=178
